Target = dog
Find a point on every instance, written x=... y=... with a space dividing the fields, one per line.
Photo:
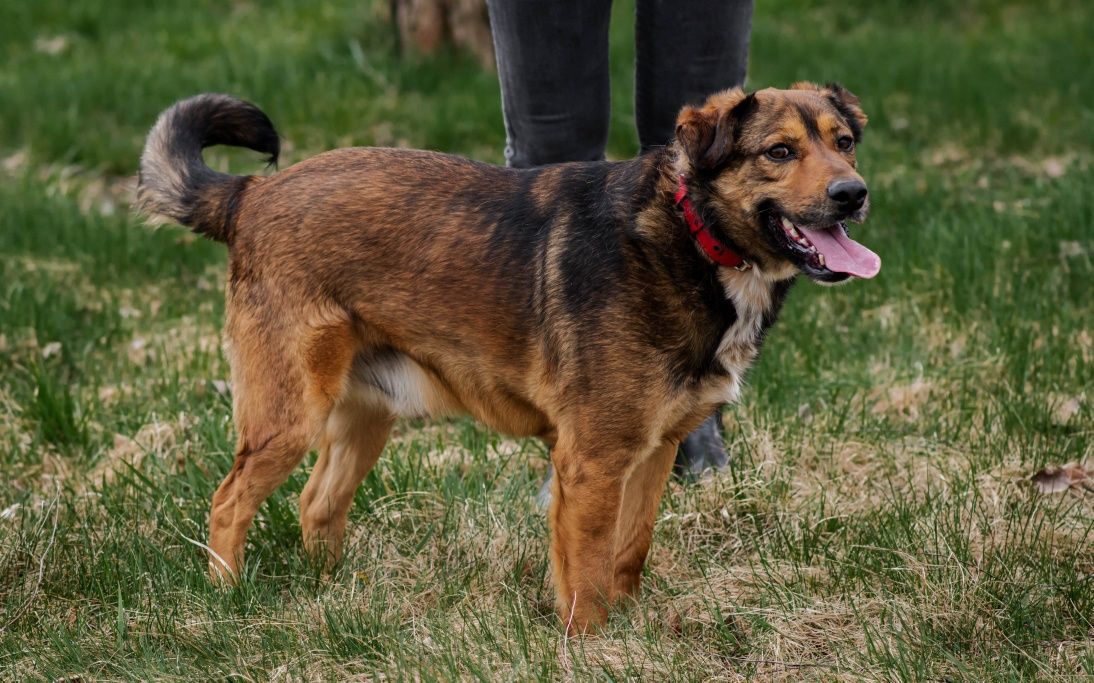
x=605 y=307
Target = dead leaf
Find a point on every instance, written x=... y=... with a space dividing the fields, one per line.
x=1071 y=249
x=51 y=349
x=51 y=45
x=1064 y=408
x=1054 y=167
x=904 y=400
x=15 y=162
x=158 y=439
x=137 y=351
x=1060 y=479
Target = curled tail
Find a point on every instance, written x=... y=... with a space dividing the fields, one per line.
x=174 y=182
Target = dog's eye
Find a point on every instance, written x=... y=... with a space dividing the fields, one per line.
x=846 y=143
x=779 y=153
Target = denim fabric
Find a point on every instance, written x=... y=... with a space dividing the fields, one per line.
x=553 y=67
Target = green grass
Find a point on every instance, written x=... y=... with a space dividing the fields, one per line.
x=876 y=524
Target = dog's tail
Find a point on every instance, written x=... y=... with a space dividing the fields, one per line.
x=175 y=184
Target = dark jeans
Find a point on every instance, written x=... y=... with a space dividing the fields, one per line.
x=553 y=67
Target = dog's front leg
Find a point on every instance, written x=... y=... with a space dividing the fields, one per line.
x=634 y=532
x=587 y=491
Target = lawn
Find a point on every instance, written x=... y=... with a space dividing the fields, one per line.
x=878 y=521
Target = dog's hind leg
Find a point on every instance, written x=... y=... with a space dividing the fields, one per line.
x=352 y=442
x=285 y=380
x=641 y=497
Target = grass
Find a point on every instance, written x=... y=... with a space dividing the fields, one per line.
x=877 y=522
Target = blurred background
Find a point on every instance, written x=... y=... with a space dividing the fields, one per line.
x=878 y=522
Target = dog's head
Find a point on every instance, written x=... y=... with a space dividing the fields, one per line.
x=776 y=168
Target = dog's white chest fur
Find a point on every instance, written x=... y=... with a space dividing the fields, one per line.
x=751 y=294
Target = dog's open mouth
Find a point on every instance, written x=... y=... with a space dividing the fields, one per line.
x=828 y=251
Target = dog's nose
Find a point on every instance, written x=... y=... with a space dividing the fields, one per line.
x=849 y=193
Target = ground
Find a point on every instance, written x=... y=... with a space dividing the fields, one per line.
x=878 y=522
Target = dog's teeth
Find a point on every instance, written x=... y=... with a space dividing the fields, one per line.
x=788 y=226
x=820 y=259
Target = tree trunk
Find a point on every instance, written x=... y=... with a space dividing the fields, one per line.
x=425 y=25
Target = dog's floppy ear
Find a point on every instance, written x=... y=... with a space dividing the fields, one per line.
x=706 y=133
x=843 y=100
x=848 y=106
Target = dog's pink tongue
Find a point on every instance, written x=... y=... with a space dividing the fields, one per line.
x=843 y=254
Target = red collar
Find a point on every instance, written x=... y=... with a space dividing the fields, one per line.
x=711 y=245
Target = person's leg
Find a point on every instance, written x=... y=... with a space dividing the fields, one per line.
x=553 y=69
x=686 y=50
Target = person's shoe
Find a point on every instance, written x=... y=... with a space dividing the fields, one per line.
x=702 y=451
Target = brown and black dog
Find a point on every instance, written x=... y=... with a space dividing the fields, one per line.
x=583 y=303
